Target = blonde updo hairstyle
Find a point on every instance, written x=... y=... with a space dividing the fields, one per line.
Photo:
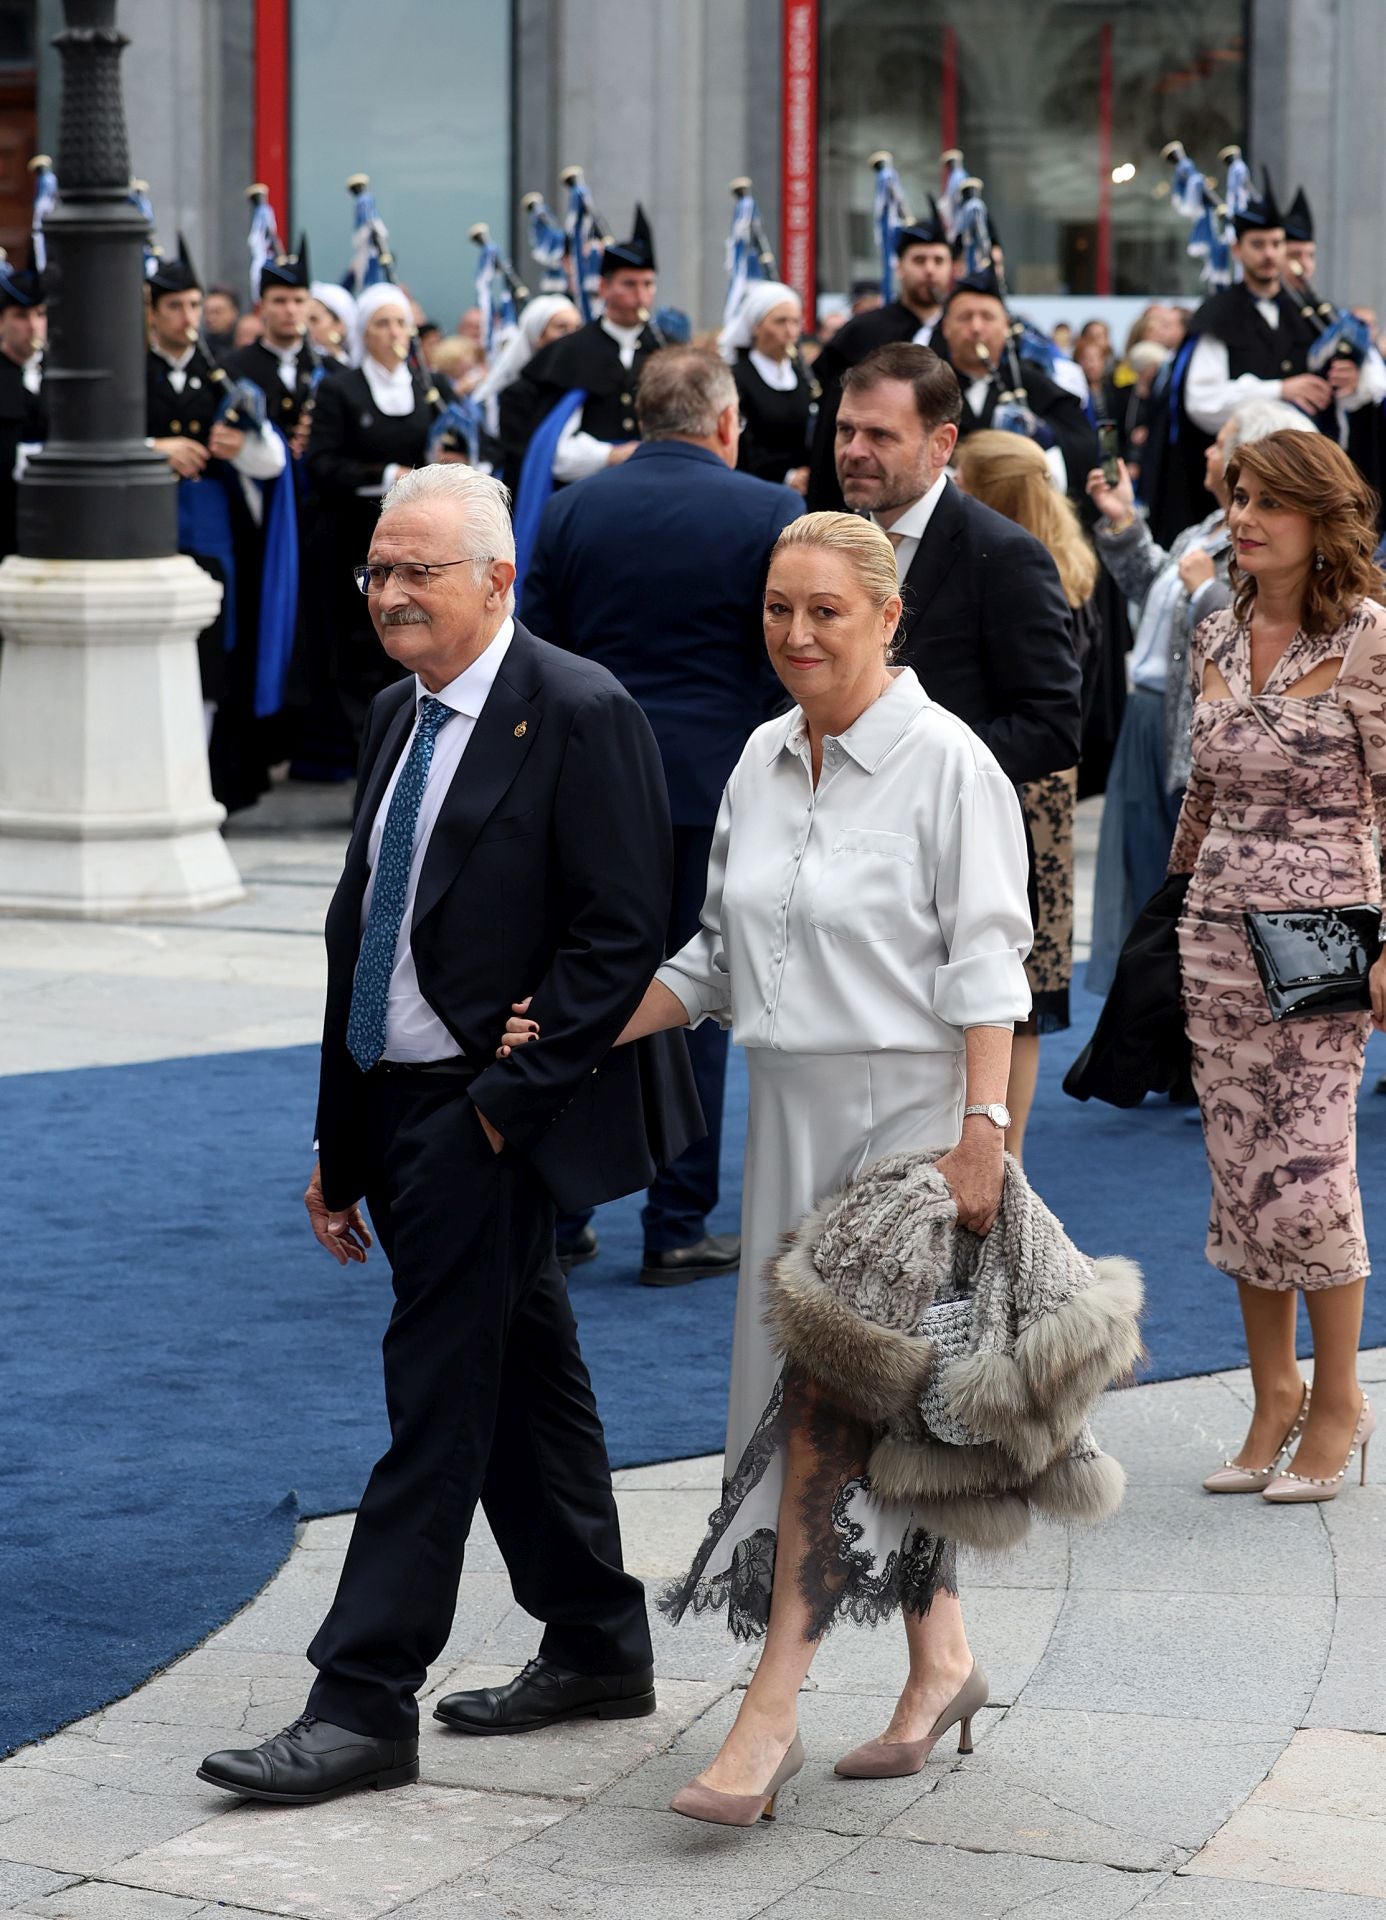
x=860 y=542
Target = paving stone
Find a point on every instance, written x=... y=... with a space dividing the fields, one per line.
x=704 y=1473
x=1192 y=1655
x=630 y=1847
x=138 y=1757
x=284 y=1618
x=1121 y=1790
x=1172 y=1433
x=72 y=1826
x=1041 y=1560
x=1009 y=1629
x=1183 y=1898
x=699 y=1648
x=102 y=1900
x=830 y=1724
x=574 y=1761
x=1356 y=1525
x=900 y=1880
x=332 y=1533
x=196 y=1697
x=1178 y=1539
x=1352 y=1692
x=352 y=1859
x=20 y=1883
x=1371 y=1365
x=514 y=1888
x=662 y=1529
x=1292 y=1849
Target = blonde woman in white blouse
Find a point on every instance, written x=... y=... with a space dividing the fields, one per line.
x=864 y=933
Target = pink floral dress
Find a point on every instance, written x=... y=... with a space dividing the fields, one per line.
x=1279 y=812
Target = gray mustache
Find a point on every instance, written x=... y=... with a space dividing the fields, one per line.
x=404 y=617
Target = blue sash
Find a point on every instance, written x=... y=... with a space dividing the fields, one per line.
x=204 y=530
x=278 y=590
x=536 y=478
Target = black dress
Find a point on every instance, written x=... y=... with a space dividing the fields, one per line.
x=779 y=421
x=22 y=421
x=351 y=444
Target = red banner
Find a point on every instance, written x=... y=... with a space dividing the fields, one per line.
x=272 y=108
x=799 y=155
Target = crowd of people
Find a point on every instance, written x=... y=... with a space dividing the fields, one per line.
x=766 y=714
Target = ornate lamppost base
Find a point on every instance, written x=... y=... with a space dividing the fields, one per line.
x=106 y=809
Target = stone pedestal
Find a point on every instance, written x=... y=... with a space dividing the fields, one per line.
x=106 y=808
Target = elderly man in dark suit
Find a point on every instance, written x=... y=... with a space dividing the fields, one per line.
x=656 y=569
x=511 y=840
x=985 y=626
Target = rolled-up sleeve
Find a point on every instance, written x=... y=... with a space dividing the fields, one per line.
x=983 y=907
x=698 y=974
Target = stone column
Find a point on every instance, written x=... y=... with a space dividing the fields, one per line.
x=106 y=806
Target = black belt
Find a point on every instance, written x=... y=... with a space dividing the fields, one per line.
x=456 y=1063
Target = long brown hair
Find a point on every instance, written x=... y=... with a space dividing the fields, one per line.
x=1010 y=474
x=1310 y=474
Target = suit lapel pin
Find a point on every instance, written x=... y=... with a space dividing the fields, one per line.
x=521 y=730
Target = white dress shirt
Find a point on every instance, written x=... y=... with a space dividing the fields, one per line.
x=579 y=454
x=413 y=1030
x=884 y=910
x=908 y=530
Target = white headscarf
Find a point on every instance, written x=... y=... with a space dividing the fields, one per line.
x=517 y=352
x=341 y=305
x=392 y=388
x=761 y=297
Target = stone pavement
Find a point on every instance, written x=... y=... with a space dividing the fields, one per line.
x=1189 y=1712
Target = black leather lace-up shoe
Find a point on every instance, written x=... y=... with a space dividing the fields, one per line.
x=714 y=1253
x=542 y=1694
x=312 y=1760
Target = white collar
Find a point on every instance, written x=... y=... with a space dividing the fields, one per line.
x=623 y=336
x=779 y=374
x=286 y=356
x=467 y=693
x=392 y=388
x=181 y=362
x=912 y=522
x=872 y=734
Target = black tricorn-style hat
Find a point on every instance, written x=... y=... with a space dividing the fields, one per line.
x=287 y=269
x=928 y=232
x=984 y=280
x=1299 y=219
x=1261 y=212
x=178 y=275
x=19 y=286
x=637 y=252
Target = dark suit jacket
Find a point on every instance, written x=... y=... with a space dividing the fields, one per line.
x=987 y=629
x=548 y=873
x=656 y=568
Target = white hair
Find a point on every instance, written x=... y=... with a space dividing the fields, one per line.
x=1258 y=419
x=487 y=504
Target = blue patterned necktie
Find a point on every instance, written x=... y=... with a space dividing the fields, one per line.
x=370 y=993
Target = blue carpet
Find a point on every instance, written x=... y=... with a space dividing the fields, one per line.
x=183 y=1375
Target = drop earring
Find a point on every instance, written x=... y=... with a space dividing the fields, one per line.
x=1318 y=563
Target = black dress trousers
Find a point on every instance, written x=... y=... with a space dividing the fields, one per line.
x=488 y=1399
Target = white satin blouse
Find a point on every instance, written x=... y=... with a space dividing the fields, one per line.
x=887 y=909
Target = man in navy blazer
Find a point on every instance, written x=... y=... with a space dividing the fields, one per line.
x=656 y=569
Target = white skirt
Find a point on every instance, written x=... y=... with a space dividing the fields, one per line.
x=815 y=1120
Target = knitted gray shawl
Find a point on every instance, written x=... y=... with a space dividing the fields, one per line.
x=978 y=1361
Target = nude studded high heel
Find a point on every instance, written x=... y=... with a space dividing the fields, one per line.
x=697 y=1802
x=893 y=1759
x=1230 y=1478
x=1296 y=1489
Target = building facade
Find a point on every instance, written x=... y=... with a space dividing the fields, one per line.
x=458 y=107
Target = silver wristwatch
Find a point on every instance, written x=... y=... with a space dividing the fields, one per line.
x=999 y=1115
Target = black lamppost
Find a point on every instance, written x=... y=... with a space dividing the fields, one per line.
x=97 y=490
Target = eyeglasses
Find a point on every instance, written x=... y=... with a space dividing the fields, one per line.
x=413 y=575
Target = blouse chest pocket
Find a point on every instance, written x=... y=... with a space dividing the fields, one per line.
x=864 y=889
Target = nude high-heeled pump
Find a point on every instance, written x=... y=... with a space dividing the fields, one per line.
x=1230 y=1478
x=697 y=1802
x=893 y=1759
x=1295 y=1489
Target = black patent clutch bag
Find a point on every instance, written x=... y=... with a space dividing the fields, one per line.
x=1316 y=961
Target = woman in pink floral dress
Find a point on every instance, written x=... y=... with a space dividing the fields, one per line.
x=1289 y=777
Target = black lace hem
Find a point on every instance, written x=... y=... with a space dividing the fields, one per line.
x=838 y=1578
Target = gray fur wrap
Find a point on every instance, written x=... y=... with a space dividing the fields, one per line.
x=977 y=1360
